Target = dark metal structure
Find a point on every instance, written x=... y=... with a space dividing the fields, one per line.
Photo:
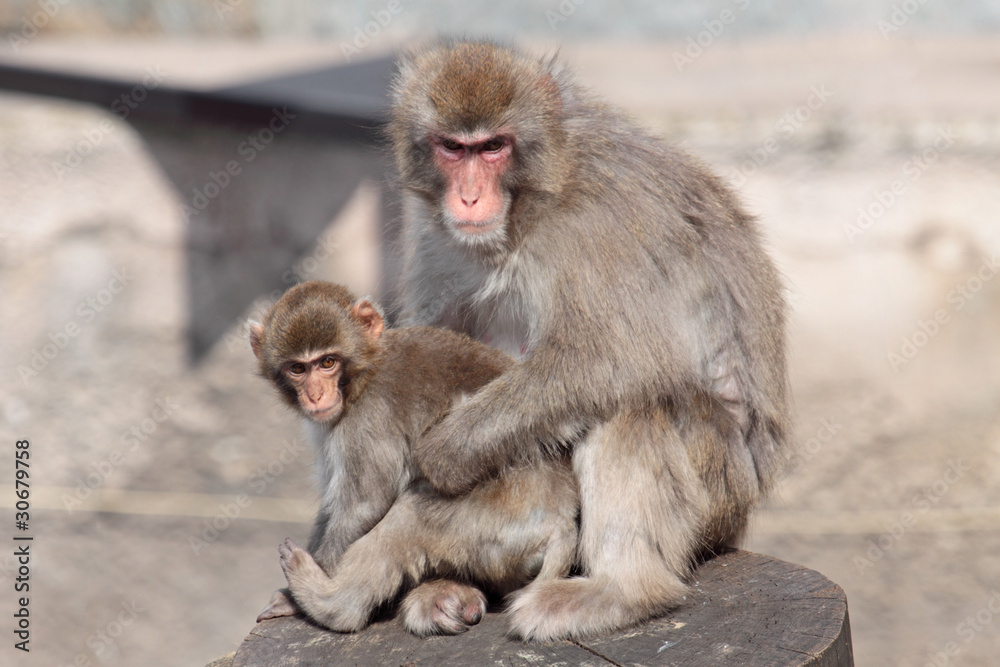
x=261 y=169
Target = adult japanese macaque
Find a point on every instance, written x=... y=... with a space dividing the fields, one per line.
x=366 y=394
x=648 y=319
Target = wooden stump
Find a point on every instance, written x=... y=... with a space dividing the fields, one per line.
x=743 y=609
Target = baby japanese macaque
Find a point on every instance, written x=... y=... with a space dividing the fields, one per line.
x=366 y=394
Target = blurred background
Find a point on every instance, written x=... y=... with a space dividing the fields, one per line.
x=137 y=235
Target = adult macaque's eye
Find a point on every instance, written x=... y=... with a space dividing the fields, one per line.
x=328 y=362
x=493 y=145
x=297 y=369
x=451 y=145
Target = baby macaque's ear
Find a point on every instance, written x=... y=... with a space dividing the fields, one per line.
x=370 y=318
x=256 y=330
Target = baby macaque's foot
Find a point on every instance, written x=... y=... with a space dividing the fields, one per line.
x=281 y=604
x=297 y=564
x=442 y=607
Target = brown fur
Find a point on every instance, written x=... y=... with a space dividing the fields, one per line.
x=650 y=320
x=378 y=531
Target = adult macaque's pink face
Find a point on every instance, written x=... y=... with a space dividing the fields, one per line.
x=474 y=201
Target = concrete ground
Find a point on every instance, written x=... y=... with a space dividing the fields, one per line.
x=874 y=166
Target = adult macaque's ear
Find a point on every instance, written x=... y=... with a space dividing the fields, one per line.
x=256 y=330
x=370 y=319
